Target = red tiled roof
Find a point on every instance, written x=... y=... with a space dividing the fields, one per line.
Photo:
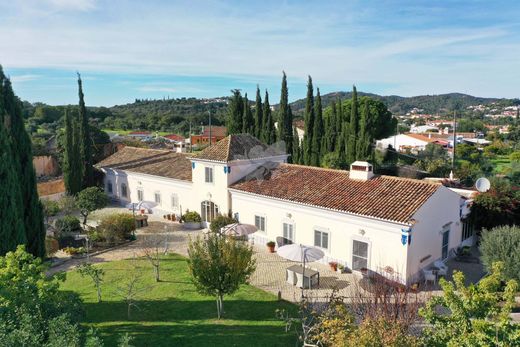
x=420 y=137
x=216 y=131
x=174 y=137
x=149 y=161
x=382 y=197
x=139 y=133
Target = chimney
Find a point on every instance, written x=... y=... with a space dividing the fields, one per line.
x=361 y=170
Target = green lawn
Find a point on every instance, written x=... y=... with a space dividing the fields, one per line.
x=172 y=313
x=502 y=163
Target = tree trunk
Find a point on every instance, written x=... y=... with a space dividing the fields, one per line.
x=98 y=293
x=156 y=270
x=218 y=307
x=128 y=311
x=85 y=215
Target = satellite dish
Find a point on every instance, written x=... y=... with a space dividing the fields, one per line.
x=483 y=184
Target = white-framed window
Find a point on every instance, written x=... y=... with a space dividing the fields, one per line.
x=140 y=194
x=321 y=239
x=288 y=231
x=260 y=223
x=175 y=201
x=208 y=210
x=124 y=190
x=445 y=244
x=467 y=230
x=208 y=174
x=109 y=187
x=157 y=197
x=359 y=255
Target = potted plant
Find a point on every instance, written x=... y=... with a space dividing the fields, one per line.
x=191 y=220
x=169 y=216
x=270 y=246
x=341 y=268
x=333 y=266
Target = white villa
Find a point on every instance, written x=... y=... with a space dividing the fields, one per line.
x=360 y=220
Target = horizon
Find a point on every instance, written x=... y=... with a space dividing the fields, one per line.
x=126 y=51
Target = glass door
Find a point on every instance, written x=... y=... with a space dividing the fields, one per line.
x=445 y=244
x=359 y=255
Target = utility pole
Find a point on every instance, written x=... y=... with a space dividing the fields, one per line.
x=454 y=139
x=209 y=113
x=189 y=135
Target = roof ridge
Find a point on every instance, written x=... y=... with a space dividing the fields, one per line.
x=228 y=147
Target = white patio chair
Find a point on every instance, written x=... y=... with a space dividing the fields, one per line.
x=289 y=276
x=314 y=281
x=299 y=280
x=443 y=268
x=429 y=276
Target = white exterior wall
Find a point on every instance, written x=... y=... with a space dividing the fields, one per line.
x=151 y=184
x=216 y=192
x=384 y=239
x=441 y=209
x=401 y=140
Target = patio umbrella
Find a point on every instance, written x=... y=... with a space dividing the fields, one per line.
x=301 y=254
x=238 y=229
x=147 y=205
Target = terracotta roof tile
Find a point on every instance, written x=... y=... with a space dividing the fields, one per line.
x=238 y=147
x=382 y=197
x=150 y=161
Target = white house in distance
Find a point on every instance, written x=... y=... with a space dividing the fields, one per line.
x=402 y=142
x=359 y=219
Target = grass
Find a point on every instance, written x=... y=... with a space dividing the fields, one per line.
x=172 y=313
x=501 y=164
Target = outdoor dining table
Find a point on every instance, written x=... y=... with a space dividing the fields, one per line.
x=310 y=276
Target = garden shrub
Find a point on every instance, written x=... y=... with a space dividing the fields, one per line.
x=502 y=244
x=67 y=204
x=67 y=225
x=191 y=217
x=221 y=221
x=117 y=227
x=51 y=246
x=50 y=207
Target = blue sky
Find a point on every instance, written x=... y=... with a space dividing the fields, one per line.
x=153 y=49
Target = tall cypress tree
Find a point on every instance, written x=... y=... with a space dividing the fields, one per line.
x=353 y=129
x=296 y=147
x=72 y=164
x=235 y=112
x=269 y=133
x=31 y=209
x=309 y=123
x=12 y=230
x=85 y=144
x=317 y=147
x=248 y=123
x=259 y=118
x=329 y=123
x=285 y=127
x=364 y=143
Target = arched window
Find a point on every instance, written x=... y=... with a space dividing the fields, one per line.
x=124 y=190
x=208 y=211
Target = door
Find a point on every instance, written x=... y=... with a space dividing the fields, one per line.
x=288 y=233
x=208 y=211
x=445 y=244
x=359 y=255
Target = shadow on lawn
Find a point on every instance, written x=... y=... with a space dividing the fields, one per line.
x=174 y=310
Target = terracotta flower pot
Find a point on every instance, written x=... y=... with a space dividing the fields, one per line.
x=271 y=249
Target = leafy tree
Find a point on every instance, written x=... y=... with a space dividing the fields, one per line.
x=309 y=123
x=84 y=141
x=477 y=315
x=248 y=123
x=269 y=133
x=22 y=161
x=502 y=244
x=96 y=275
x=333 y=160
x=259 y=115
x=235 y=113
x=219 y=266
x=317 y=133
x=353 y=128
x=221 y=221
x=34 y=312
x=285 y=118
x=91 y=199
x=381 y=332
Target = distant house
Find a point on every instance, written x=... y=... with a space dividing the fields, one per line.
x=403 y=142
x=423 y=129
x=217 y=134
x=140 y=134
x=174 y=138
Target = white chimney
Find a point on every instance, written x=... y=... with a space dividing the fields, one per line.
x=361 y=170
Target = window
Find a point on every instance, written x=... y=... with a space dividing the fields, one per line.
x=260 y=223
x=124 y=190
x=359 y=255
x=467 y=230
x=288 y=231
x=109 y=187
x=208 y=211
x=140 y=194
x=208 y=174
x=445 y=244
x=157 y=198
x=321 y=239
x=175 y=201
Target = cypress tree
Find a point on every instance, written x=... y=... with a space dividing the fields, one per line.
x=248 y=123
x=30 y=208
x=353 y=129
x=296 y=147
x=85 y=144
x=316 y=144
x=259 y=118
x=364 y=143
x=285 y=127
x=309 y=123
x=71 y=158
x=340 y=120
x=269 y=133
x=329 y=124
x=235 y=112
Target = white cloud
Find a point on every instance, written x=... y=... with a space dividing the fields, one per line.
x=75 y=5
x=24 y=78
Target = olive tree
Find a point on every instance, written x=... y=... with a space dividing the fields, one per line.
x=502 y=244
x=90 y=199
x=219 y=265
x=96 y=275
